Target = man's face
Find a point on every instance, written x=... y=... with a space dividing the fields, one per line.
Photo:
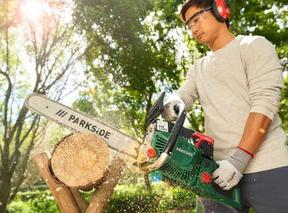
x=203 y=24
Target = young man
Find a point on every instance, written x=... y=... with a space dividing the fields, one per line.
x=239 y=84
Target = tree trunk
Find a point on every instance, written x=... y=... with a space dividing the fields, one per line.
x=147 y=182
x=79 y=161
x=5 y=189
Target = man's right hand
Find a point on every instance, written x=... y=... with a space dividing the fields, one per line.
x=169 y=113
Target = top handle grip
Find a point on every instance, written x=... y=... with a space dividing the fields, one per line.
x=157 y=109
x=181 y=111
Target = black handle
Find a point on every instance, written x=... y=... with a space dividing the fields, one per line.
x=157 y=109
x=180 y=108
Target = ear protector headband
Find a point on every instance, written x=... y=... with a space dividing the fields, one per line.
x=221 y=10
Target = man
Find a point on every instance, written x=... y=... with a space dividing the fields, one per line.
x=239 y=84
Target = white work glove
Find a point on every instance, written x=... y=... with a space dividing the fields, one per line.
x=169 y=113
x=230 y=171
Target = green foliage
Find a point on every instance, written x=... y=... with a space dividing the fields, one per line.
x=18 y=206
x=140 y=53
x=130 y=55
x=135 y=198
x=266 y=18
x=196 y=117
x=126 y=198
x=283 y=111
x=34 y=201
x=177 y=199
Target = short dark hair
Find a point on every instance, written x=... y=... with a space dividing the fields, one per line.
x=198 y=4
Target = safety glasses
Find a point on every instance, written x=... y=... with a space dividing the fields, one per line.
x=197 y=18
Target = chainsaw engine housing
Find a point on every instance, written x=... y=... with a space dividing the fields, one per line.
x=190 y=163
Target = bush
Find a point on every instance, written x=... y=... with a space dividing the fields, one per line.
x=135 y=198
x=126 y=198
x=18 y=206
x=34 y=202
x=179 y=199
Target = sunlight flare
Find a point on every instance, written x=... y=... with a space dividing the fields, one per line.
x=34 y=10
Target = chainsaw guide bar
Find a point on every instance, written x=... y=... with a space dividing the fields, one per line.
x=80 y=122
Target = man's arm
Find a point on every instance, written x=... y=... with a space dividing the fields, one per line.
x=254 y=133
x=265 y=82
x=230 y=171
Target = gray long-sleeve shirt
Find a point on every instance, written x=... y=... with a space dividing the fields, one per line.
x=242 y=77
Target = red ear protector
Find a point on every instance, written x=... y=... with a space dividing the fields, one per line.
x=221 y=10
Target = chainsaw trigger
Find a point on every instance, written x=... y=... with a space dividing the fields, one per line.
x=205 y=143
x=199 y=138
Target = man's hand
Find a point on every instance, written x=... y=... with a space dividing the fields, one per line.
x=227 y=175
x=169 y=113
x=230 y=171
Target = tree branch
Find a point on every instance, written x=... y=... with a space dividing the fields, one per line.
x=24 y=161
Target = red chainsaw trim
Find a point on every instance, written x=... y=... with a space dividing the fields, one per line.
x=151 y=153
x=206 y=177
x=199 y=137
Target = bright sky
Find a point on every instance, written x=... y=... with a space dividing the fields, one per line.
x=33 y=10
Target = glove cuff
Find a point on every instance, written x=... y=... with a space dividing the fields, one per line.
x=246 y=151
x=240 y=159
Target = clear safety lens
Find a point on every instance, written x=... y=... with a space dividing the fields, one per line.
x=197 y=20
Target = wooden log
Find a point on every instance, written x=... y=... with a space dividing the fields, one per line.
x=100 y=198
x=80 y=160
x=63 y=196
x=83 y=205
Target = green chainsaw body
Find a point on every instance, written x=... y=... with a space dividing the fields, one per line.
x=183 y=156
x=190 y=168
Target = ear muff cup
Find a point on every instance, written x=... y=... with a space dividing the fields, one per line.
x=221 y=10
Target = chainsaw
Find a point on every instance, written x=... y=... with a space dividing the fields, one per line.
x=179 y=155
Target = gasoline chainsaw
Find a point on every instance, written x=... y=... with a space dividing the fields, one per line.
x=180 y=155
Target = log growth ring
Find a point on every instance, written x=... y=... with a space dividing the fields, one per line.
x=80 y=160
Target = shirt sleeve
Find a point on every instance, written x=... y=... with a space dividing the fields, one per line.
x=265 y=77
x=188 y=90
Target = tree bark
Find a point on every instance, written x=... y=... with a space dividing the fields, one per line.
x=5 y=186
x=83 y=205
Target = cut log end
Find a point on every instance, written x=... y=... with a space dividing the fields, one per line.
x=80 y=160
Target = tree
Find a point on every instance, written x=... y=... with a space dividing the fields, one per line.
x=130 y=57
x=38 y=54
